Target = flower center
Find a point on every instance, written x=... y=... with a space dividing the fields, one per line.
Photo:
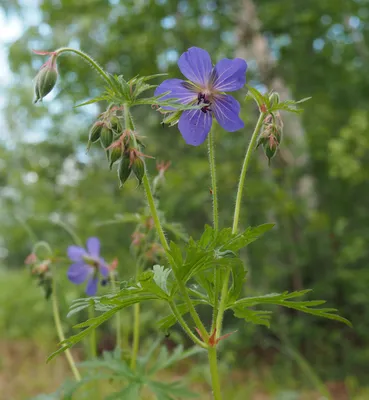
x=91 y=261
x=202 y=98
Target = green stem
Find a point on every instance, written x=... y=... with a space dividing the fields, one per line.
x=246 y=162
x=164 y=243
x=154 y=213
x=117 y=318
x=214 y=189
x=77 y=240
x=136 y=335
x=213 y=363
x=184 y=325
x=245 y=165
x=89 y=60
x=93 y=354
x=60 y=332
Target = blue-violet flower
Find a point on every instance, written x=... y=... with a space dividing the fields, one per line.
x=87 y=265
x=206 y=86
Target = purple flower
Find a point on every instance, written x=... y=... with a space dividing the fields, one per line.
x=206 y=87
x=87 y=264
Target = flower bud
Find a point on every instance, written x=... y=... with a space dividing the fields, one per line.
x=116 y=154
x=106 y=137
x=124 y=169
x=46 y=79
x=274 y=99
x=116 y=124
x=138 y=168
x=95 y=131
x=270 y=147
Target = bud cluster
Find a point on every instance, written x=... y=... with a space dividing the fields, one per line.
x=41 y=270
x=121 y=145
x=271 y=134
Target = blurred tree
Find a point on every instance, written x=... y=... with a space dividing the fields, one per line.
x=317 y=50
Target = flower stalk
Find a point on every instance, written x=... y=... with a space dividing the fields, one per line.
x=60 y=332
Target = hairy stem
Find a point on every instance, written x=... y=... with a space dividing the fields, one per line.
x=164 y=243
x=92 y=342
x=245 y=165
x=184 y=325
x=60 y=332
x=213 y=363
x=136 y=335
x=214 y=192
x=88 y=59
x=118 y=329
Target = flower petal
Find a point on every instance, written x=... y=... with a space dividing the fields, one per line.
x=195 y=65
x=104 y=269
x=79 y=272
x=226 y=110
x=179 y=89
x=91 y=287
x=93 y=246
x=75 y=253
x=194 y=126
x=229 y=75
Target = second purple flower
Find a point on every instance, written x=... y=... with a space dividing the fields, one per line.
x=87 y=265
x=206 y=87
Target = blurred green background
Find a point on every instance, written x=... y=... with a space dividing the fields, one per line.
x=316 y=190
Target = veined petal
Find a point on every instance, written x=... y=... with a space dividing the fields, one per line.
x=179 y=89
x=229 y=75
x=79 y=272
x=226 y=110
x=194 y=126
x=93 y=246
x=195 y=65
x=75 y=253
x=91 y=287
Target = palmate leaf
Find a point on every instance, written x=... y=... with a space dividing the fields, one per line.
x=284 y=300
x=257 y=317
x=154 y=360
x=130 y=392
x=161 y=277
x=170 y=391
x=259 y=98
x=214 y=249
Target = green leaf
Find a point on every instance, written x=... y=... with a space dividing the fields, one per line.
x=237 y=242
x=283 y=300
x=164 y=360
x=130 y=392
x=257 y=96
x=238 y=279
x=161 y=277
x=260 y=317
x=167 y=391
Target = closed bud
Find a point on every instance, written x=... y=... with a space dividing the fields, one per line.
x=124 y=169
x=46 y=79
x=270 y=147
x=116 y=124
x=95 y=131
x=106 y=137
x=274 y=99
x=115 y=154
x=138 y=168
